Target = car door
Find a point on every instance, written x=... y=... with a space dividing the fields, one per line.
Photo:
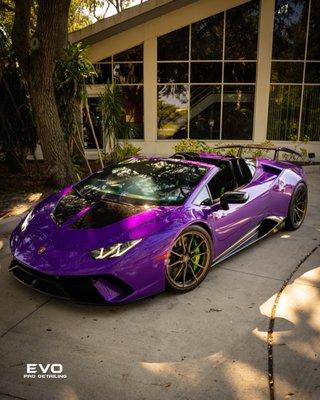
x=230 y=226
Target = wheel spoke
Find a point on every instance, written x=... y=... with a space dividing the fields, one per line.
x=199 y=254
x=191 y=269
x=183 y=245
x=194 y=250
x=198 y=265
x=176 y=254
x=184 y=276
x=190 y=243
x=178 y=273
x=175 y=263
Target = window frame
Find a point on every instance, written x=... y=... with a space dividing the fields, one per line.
x=305 y=61
x=222 y=83
x=95 y=89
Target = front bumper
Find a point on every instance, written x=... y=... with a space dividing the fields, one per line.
x=95 y=289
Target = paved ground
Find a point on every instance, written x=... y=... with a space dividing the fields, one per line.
x=208 y=344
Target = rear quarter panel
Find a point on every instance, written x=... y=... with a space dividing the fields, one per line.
x=283 y=187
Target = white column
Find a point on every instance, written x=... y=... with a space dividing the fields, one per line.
x=260 y=121
x=150 y=93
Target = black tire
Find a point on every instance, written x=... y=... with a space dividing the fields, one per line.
x=190 y=260
x=297 y=208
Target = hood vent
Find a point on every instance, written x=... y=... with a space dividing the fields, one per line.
x=106 y=213
x=69 y=206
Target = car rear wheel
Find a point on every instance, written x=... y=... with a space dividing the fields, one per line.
x=189 y=260
x=298 y=207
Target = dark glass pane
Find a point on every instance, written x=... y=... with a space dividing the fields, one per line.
x=205 y=105
x=240 y=72
x=207 y=38
x=174 y=45
x=108 y=59
x=206 y=72
x=133 y=54
x=128 y=73
x=284 y=106
x=104 y=75
x=173 y=111
x=238 y=106
x=314 y=32
x=242 y=32
x=133 y=105
x=287 y=72
x=173 y=72
x=289 y=31
x=310 y=122
x=312 y=73
x=88 y=137
x=139 y=182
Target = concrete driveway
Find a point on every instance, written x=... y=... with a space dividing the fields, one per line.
x=212 y=343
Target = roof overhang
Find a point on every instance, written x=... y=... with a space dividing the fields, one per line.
x=127 y=19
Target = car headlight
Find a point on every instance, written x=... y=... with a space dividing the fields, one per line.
x=116 y=250
x=26 y=221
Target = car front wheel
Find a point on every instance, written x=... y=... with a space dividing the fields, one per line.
x=190 y=259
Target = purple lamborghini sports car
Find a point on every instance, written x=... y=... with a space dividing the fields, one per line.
x=145 y=225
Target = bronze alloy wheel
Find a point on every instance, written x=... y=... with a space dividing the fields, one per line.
x=298 y=207
x=190 y=260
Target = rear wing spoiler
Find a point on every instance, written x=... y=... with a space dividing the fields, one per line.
x=276 y=150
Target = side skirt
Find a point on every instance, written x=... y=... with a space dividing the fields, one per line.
x=267 y=227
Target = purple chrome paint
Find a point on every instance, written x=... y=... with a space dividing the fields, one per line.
x=142 y=269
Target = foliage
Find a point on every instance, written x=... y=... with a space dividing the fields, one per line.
x=196 y=146
x=113 y=115
x=298 y=146
x=121 y=152
x=77 y=167
x=70 y=77
x=17 y=131
x=191 y=146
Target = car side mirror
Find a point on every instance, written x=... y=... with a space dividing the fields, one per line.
x=206 y=202
x=233 y=198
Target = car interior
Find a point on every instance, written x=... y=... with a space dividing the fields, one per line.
x=235 y=172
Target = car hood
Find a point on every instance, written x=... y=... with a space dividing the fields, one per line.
x=62 y=227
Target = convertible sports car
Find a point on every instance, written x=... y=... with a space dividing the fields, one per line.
x=145 y=225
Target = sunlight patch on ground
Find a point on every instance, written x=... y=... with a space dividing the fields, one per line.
x=34 y=197
x=68 y=393
x=19 y=209
x=218 y=368
x=240 y=372
x=299 y=304
x=190 y=370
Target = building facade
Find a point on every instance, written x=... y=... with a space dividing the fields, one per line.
x=229 y=71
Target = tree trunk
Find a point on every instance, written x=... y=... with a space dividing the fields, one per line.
x=37 y=56
x=55 y=151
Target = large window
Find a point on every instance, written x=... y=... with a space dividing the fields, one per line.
x=294 y=103
x=207 y=75
x=126 y=70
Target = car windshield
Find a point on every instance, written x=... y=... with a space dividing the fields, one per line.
x=143 y=181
